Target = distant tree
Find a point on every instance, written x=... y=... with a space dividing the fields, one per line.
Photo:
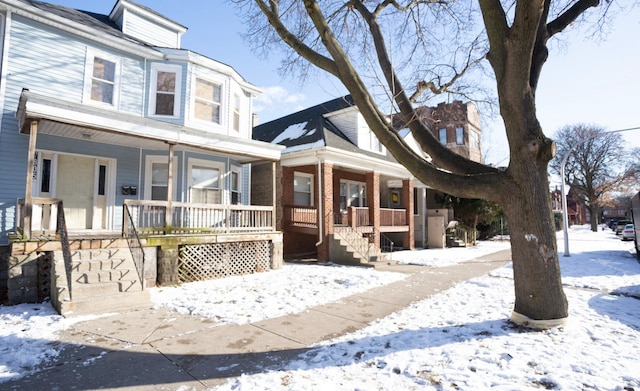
x=598 y=166
x=393 y=55
x=473 y=214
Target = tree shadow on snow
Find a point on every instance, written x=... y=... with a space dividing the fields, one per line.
x=88 y=367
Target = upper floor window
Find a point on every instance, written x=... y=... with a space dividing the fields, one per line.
x=460 y=136
x=207 y=101
x=236 y=112
x=103 y=77
x=442 y=135
x=164 y=98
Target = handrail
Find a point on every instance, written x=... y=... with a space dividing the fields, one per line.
x=134 y=243
x=386 y=243
x=359 y=247
x=61 y=231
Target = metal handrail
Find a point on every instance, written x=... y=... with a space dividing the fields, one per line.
x=61 y=231
x=134 y=243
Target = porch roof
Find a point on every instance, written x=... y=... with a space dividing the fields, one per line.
x=74 y=120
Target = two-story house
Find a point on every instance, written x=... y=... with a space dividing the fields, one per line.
x=109 y=130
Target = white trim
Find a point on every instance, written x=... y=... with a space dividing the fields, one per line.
x=223 y=92
x=148 y=165
x=222 y=174
x=88 y=78
x=311 y=186
x=153 y=85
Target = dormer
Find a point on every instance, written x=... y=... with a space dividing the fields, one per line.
x=145 y=24
x=351 y=122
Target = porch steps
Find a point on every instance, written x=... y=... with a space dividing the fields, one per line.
x=352 y=248
x=102 y=280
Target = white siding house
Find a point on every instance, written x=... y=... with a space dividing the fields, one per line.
x=108 y=116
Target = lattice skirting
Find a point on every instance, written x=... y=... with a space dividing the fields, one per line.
x=215 y=260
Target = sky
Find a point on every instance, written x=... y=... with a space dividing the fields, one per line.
x=585 y=80
x=457 y=339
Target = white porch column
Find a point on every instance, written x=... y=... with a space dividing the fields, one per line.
x=28 y=193
x=169 y=213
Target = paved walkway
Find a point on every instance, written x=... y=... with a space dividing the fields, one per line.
x=155 y=349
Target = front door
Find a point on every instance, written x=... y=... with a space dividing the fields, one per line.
x=75 y=186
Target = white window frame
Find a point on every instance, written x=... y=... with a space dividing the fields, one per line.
x=207 y=164
x=238 y=172
x=459 y=135
x=88 y=79
x=362 y=194
x=310 y=177
x=148 y=166
x=236 y=116
x=474 y=139
x=153 y=85
x=195 y=99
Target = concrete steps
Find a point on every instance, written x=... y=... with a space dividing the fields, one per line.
x=100 y=280
x=352 y=248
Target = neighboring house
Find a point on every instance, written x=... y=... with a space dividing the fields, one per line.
x=107 y=119
x=342 y=196
x=457 y=126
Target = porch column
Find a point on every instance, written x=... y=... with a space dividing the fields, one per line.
x=373 y=201
x=325 y=220
x=274 y=195
x=408 y=238
x=28 y=192
x=168 y=216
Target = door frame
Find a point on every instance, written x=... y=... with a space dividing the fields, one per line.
x=110 y=181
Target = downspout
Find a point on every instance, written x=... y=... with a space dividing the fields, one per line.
x=320 y=197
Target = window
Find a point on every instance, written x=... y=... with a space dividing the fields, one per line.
x=236 y=196
x=352 y=194
x=207 y=103
x=102 y=179
x=460 y=136
x=302 y=189
x=442 y=135
x=159 y=181
x=164 y=98
x=236 y=113
x=205 y=185
x=102 y=79
x=45 y=185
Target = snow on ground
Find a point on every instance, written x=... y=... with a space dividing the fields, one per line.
x=457 y=339
x=249 y=299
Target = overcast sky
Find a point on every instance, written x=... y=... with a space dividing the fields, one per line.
x=584 y=82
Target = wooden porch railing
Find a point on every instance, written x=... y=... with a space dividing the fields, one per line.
x=43 y=219
x=149 y=218
x=393 y=217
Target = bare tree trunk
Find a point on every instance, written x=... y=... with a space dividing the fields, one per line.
x=594 y=211
x=536 y=269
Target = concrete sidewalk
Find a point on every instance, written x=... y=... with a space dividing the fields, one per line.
x=156 y=349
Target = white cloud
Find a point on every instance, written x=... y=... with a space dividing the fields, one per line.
x=277 y=101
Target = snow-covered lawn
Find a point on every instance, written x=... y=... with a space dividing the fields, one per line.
x=457 y=339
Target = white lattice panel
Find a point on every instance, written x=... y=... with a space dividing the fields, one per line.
x=215 y=260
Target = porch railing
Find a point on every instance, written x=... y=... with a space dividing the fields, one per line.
x=149 y=217
x=393 y=217
x=43 y=218
x=301 y=216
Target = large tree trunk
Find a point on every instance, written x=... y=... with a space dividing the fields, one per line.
x=536 y=269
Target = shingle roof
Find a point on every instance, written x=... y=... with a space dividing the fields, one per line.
x=98 y=22
x=309 y=129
